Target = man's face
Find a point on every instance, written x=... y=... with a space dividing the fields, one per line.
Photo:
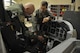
x=43 y=8
x=29 y=11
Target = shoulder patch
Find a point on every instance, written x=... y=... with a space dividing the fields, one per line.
x=14 y=14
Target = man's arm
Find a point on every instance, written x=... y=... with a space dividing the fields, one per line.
x=48 y=18
x=51 y=15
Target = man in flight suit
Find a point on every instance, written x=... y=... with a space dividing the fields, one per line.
x=42 y=16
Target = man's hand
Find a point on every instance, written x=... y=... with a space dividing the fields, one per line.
x=46 y=19
x=8 y=23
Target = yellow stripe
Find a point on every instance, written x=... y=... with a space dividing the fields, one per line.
x=12 y=27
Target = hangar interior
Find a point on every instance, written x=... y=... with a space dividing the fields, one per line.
x=64 y=31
